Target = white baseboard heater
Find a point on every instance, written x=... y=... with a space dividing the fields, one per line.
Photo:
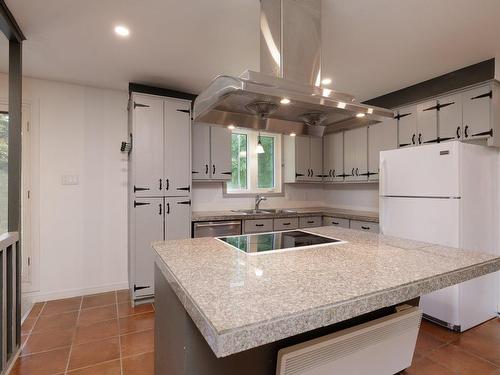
x=379 y=347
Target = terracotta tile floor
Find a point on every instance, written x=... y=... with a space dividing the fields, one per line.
x=91 y=335
x=103 y=335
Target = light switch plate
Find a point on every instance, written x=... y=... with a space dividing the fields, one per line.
x=68 y=179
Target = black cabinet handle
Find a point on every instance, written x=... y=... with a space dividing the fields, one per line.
x=228 y=173
x=365 y=228
x=213 y=169
x=299 y=175
x=206 y=168
x=312 y=172
x=343 y=175
x=404 y=144
x=136 y=189
x=420 y=138
x=310 y=222
x=466 y=131
x=159 y=209
x=185 y=202
x=489 y=132
x=458 y=131
x=259 y=225
x=187 y=188
x=413 y=139
x=368 y=174
x=167 y=184
x=194 y=172
x=357 y=171
x=335 y=223
x=486 y=95
x=352 y=172
x=168 y=208
x=160 y=183
x=287 y=223
x=140 y=204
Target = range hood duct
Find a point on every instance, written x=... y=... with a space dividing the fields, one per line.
x=290 y=67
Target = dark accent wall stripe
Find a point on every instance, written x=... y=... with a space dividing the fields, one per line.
x=145 y=89
x=457 y=79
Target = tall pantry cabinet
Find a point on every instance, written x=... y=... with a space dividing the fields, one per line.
x=159 y=181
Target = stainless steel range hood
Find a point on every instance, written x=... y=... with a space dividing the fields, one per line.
x=290 y=64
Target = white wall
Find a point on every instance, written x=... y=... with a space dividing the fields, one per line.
x=79 y=231
x=362 y=197
x=207 y=196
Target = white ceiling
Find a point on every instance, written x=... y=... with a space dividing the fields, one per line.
x=369 y=47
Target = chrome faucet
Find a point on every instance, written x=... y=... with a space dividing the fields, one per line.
x=259 y=198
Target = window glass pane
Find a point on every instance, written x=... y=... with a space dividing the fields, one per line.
x=4 y=154
x=239 y=148
x=266 y=164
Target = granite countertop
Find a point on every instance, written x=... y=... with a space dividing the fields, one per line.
x=299 y=212
x=241 y=301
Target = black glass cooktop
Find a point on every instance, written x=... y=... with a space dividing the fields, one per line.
x=258 y=243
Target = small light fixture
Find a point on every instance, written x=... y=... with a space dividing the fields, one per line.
x=326 y=81
x=359 y=115
x=285 y=101
x=259 y=149
x=292 y=134
x=122 y=31
x=231 y=127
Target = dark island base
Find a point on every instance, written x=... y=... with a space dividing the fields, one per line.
x=180 y=349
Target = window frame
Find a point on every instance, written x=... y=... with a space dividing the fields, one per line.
x=252 y=166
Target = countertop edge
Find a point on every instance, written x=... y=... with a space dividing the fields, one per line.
x=237 y=340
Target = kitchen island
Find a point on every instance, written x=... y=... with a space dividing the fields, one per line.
x=222 y=311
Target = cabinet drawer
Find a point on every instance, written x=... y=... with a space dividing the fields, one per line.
x=287 y=223
x=336 y=221
x=365 y=226
x=258 y=225
x=310 y=221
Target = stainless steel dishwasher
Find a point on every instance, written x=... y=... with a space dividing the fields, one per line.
x=216 y=228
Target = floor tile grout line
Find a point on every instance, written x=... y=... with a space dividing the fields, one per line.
x=74 y=336
x=95 y=364
x=119 y=334
x=34 y=324
x=138 y=354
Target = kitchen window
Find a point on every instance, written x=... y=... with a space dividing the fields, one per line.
x=255 y=172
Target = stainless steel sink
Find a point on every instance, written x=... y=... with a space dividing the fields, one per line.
x=253 y=212
x=280 y=211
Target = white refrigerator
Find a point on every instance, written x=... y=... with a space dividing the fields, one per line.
x=446 y=194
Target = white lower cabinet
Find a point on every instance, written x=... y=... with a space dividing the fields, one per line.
x=258 y=226
x=177 y=214
x=310 y=222
x=365 y=226
x=147 y=226
x=288 y=223
x=335 y=221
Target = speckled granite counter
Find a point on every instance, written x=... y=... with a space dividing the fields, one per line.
x=299 y=212
x=240 y=302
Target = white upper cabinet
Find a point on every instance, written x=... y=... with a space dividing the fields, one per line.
x=147 y=153
x=201 y=152
x=381 y=137
x=427 y=122
x=316 y=164
x=177 y=125
x=333 y=157
x=211 y=153
x=303 y=159
x=220 y=153
x=407 y=126
x=450 y=117
x=477 y=112
x=356 y=154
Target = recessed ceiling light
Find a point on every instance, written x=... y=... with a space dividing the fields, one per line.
x=326 y=81
x=292 y=134
x=231 y=127
x=285 y=101
x=122 y=31
x=360 y=115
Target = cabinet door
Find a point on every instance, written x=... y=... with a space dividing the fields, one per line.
x=302 y=158
x=356 y=154
x=450 y=117
x=147 y=149
x=381 y=137
x=316 y=165
x=201 y=152
x=177 y=115
x=407 y=126
x=177 y=218
x=220 y=153
x=334 y=157
x=427 y=122
x=476 y=112
x=147 y=227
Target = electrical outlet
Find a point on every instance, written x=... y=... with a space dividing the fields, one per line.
x=68 y=179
